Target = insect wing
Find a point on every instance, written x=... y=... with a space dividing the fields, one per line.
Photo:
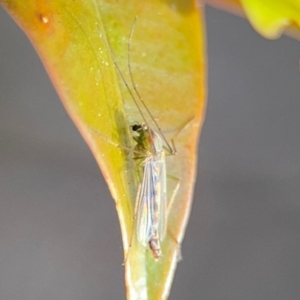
x=163 y=198
x=151 y=199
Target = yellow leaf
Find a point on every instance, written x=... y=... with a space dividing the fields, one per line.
x=269 y=17
x=168 y=66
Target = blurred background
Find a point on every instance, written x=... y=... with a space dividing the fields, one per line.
x=59 y=231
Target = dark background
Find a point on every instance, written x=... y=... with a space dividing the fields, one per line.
x=59 y=231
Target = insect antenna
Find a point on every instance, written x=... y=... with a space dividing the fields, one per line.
x=125 y=82
x=172 y=150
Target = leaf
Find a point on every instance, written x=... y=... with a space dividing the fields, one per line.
x=269 y=17
x=167 y=62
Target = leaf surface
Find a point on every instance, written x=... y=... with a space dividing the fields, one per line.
x=73 y=39
x=270 y=18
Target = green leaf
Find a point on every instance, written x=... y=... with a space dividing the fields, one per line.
x=269 y=17
x=168 y=66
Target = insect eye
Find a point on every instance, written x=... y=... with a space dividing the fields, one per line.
x=136 y=127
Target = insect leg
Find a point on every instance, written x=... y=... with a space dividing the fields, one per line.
x=111 y=142
x=169 y=206
x=133 y=226
x=174 y=193
x=173 y=150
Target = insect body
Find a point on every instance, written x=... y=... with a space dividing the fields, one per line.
x=152 y=192
x=149 y=152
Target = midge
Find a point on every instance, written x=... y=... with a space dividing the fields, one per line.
x=149 y=153
x=151 y=205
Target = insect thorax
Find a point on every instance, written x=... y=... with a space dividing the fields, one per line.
x=148 y=141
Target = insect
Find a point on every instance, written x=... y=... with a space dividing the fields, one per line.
x=152 y=193
x=149 y=153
